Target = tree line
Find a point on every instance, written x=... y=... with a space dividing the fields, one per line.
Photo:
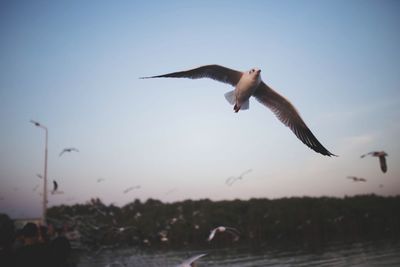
x=295 y=219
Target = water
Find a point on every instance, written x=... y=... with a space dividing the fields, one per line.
x=377 y=253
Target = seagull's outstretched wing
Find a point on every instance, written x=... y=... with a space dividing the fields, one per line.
x=364 y=155
x=215 y=72
x=382 y=161
x=62 y=152
x=289 y=116
x=234 y=232
x=188 y=262
x=245 y=172
x=212 y=234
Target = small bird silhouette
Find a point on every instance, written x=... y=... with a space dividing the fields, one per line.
x=55 y=187
x=232 y=179
x=249 y=84
x=356 y=179
x=68 y=149
x=131 y=188
x=382 y=158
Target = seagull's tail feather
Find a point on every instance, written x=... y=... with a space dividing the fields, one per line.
x=230 y=97
x=245 y=105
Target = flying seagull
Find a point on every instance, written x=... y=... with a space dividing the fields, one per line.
x=356 y=179
x=249 y=84
x=382 y=158
x=55 y=187
x=68 y=149
x=231 y=230
x=131 y=188
x=232 y=179
x=99 y=180
x=190 y=262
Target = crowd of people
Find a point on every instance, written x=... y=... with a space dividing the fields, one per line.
x=33 y=245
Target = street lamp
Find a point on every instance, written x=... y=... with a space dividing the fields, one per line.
x=45 y=172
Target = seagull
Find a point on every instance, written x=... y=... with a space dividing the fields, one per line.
x=231 y=230
x=131 y=188
x=68 y=149
x=382 y=159
x=55 y=189
x=356 y=179
x=249 y=84
x=99 y=180
x=230 y=180
x=55 y=186
x=190 y=262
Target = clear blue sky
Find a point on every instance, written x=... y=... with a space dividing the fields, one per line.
x=74 y=67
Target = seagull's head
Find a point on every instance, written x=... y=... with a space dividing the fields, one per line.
x=255 y=74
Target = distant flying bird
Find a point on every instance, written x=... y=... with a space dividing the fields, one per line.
x=131 y=188
x=68 y=149
x=55 y=186
x=230 y=180
x=249 y=84
x=356 y=179
x=39 y=176
x=55 y=189
x=231 y=230
x=100 y=180
x=382 y=158
x=190 y=262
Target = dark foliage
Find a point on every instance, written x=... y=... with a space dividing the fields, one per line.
x=296 y=219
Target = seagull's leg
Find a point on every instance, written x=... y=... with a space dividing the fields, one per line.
x=236 y=108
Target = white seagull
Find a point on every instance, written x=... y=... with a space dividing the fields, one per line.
x=231 y=230
x=382 y=158
x=68 y=149
x=190 y=262
x=249 y=84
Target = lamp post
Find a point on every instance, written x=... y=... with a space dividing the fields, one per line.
x=45 y=172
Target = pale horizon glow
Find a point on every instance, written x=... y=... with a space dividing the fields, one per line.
x=75 y=67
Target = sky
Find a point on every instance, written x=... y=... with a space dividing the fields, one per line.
x=74 y=66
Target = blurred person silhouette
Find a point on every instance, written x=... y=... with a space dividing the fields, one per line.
x=60 y=250
x=33 y=252
x=7 y=237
